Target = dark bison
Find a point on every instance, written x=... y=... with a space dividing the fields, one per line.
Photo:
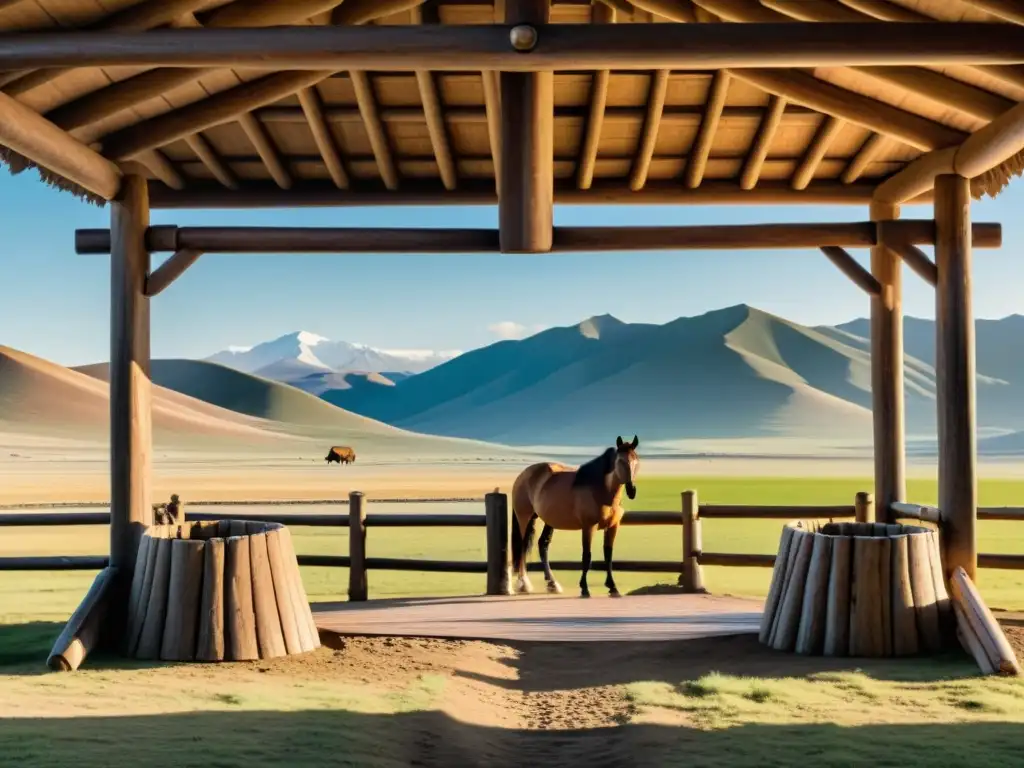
x=341 y=454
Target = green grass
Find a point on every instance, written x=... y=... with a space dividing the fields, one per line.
x=907 y=712
x=51 y=596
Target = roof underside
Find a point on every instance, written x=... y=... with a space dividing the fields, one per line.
x=377 y=135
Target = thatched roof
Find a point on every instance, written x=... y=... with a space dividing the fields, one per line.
x=370 y=131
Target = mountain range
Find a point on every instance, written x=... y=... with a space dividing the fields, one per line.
x=736 y=372
x=317 y=364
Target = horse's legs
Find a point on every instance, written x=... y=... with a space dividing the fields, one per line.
x=588 y=536
x=522 y=541
x=542 y=546
x=609 y=544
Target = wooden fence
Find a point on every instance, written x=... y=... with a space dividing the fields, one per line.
x=495 y=521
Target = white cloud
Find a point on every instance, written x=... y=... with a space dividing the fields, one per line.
x=509 y=329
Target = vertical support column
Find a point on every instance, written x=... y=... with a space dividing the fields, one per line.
x=887 y=371
x=955 y=373
x=526 y=189
x=131 y=442
x=358 y=590
x=692 y=577
x=496 y=511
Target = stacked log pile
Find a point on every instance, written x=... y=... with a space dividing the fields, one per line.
x=226 y=590
x=856 y=589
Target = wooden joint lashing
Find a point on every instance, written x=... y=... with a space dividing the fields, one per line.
x=158 y=280
x=849 y=267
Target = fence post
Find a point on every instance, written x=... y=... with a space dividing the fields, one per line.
x=496 y=510
x=864 y=507
x=357 y=588
x=692 y=577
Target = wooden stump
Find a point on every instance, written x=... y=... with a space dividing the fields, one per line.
x=218 y=591
x=856 y=589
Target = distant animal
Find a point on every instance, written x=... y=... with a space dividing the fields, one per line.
x=340 y=454
x=584 y=499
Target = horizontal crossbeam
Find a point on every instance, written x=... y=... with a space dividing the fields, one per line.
x=566 y=239
x=555 y=46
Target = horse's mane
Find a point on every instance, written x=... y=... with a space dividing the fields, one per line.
x=593 y=472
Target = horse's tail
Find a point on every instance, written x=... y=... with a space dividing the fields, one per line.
x=522 y=544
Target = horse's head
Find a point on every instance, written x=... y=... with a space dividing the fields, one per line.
x=627 y=464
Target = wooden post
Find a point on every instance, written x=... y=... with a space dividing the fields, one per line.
x=955 y=374
x=131 y=510
x=496 y=510
x=692 y=577
x=357 y=588
x=864 y=507
x=887 y=370
x=526 y=189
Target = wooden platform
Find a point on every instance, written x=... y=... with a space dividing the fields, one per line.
x=545 y=617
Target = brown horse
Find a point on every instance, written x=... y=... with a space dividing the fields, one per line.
x=565 y=499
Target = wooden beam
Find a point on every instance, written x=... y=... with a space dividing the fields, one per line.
x=1008 y=10
x=869 y=150
x=935 y=86
x=849 y=267
x=943 y=90
x=649 y=133
x=317 y=193
x=492 y=107
x=804 y=89
x=257 y=134
x=375 y=130
x=39 y=140
x=224 y=107
x=887 y=399
x=566 y=239
x=356 y=12
x=131 y=510
x=697 y=160
x=526 y=195
x=984 y=149
x=433 y=110
x=309 y=100
x=125 y=94
x=955 y=374
x=823 y=138
x=209 y=157
x=762 y=142
x=398 y=48
x=134 y=18
x=600 y=14
x=170 y=271
x=918 y=261
x=161 y=168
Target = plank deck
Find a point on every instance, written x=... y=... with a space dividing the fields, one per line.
x=545 y=617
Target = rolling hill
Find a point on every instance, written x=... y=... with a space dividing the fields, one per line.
x=291 y=412
x=737 y=372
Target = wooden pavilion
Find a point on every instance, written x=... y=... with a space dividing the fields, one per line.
x=528 y=103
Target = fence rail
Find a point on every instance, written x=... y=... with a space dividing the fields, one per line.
x=495 y=520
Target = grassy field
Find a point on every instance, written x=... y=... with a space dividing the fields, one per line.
x=383 y=703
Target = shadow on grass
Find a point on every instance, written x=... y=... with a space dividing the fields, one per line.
x=546 y=667
x=432 y=738
x=27 y=644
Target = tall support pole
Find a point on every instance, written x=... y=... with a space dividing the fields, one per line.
x=526 y=190
x=955 y=373
x=130 y=417
x=887 y=371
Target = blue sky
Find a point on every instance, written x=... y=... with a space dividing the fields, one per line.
x=56 y=305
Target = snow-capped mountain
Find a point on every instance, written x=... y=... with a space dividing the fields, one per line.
x=299 y=354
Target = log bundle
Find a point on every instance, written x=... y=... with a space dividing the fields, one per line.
x=856 y=589
x=218 y=591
